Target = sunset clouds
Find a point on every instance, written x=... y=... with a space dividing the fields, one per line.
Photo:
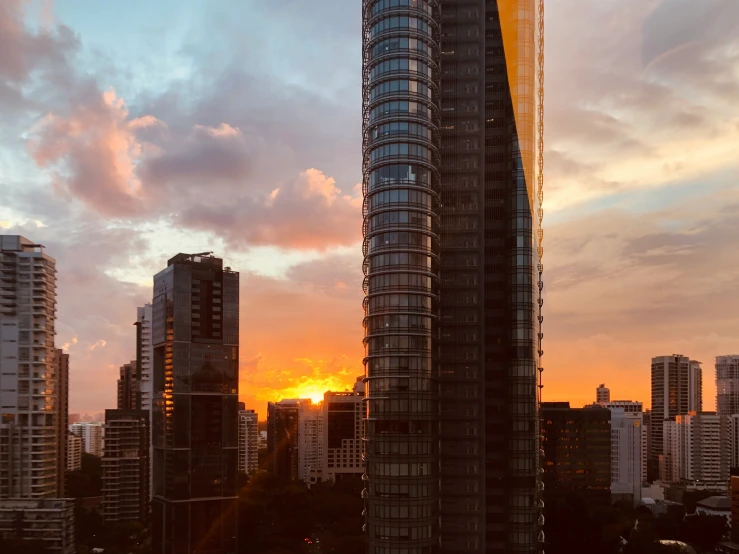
x=237 y=128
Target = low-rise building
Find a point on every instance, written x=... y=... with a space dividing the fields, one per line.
x=714 y=506
x=49 y=520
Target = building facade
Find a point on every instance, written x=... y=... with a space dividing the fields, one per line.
x=450 y=363
x=628 y=406
x=126 y=466
x=195 y=338
x=282 y=438
x=577 y=463
x=295 y=440
x=602 y=394
x=50 y=521
x=29 y=387
x=248 y=441
x=144 y=357
x=628 y=454
x=61 y=363
x=696 y=449
x=128 y=388
x=343 y=431
x=92 y=434
x=74 y=452
x=727 y=385
x=676 y=390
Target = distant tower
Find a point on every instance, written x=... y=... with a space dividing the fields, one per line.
x=727 y=385
x=603 y=394
x=676 y=390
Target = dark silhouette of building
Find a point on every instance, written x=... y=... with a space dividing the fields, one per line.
x=577 y=469
x=128 y=389
x=450 y=276
x=195 y=328
x=282 y=438
x=61 y=367
x=577 y=452
x=126 y=466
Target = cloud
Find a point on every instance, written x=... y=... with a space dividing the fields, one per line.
x=93 y=151
x=207 y=156
x=307 y=212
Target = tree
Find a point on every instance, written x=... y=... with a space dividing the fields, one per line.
x=22 y=546
x=703 y=531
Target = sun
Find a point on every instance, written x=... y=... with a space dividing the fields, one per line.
x=314 y=392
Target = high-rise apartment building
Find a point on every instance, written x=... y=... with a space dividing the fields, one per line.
x=343 y=430
x=727 y=385
x=248 y=441
x=144 y=355
x=733 y=427
x=696 y=449
x=295 y=439
x=195 y=338
x=126 y=466
x=628 y=454
x=29 y=387
x=74 y=453
x=128 y=388
x=282 y=437
x=451 y=314
x=91 y=434
x=676 y=390
x=61 y=369
x=310 y=442
x=602 y=394
x=577 y=462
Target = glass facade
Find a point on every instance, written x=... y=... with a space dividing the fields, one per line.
x=195 y=414
x=451 y=276
x=401 y=265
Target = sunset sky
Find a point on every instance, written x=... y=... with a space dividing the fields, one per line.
x=134 y=130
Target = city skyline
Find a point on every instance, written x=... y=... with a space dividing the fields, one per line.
x=655 y=256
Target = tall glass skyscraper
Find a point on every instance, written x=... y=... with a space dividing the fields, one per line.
x=451 y=272
x=195 y=335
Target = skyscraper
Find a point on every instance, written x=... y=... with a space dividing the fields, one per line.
x=128 y=389
x=451 y=274
x=248 y=441
x=676 y=390
x=61 y=370
x=145 y=381
x=343 y=431
x=282 y=438
x=91 y=434
x=727 y=385
x=696 y=447
x=628 y=454
x=126 y=466
x=602 y=394
x=29 y=386
x=295 y=439
x=195 y=328
x=577 y=462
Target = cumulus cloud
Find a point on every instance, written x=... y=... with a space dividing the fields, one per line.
x=307 y=212
x=93 y=152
